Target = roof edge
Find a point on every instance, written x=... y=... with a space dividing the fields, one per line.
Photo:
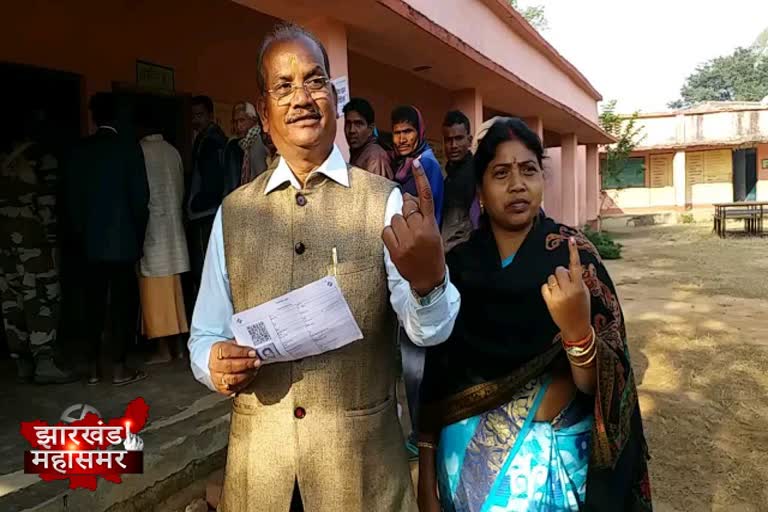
x=520 y=25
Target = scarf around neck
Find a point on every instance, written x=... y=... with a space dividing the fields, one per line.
x=403 y=165
x=250 y=137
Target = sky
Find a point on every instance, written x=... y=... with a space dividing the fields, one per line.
x=640 y=52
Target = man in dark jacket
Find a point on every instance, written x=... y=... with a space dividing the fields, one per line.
x=105 y=211
x=461 y=210
x=208 y=182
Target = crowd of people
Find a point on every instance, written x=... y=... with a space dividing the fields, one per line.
x=104 y=238
x=511 y=338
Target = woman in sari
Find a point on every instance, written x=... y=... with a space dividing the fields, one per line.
x=531 y=404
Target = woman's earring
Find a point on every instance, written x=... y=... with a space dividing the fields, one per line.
x=482 y=207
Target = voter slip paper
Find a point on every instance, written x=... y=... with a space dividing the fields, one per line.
x=305 y=322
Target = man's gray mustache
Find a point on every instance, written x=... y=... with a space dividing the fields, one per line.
x=302 y=117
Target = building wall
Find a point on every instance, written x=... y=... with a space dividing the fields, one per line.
x=657 y=131
x=710 y=128
x=709 y=179
x=387 y=87
x=206 y=42
x=501 y=44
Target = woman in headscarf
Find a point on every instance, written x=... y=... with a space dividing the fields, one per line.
x=531 y=404
x=411 y=148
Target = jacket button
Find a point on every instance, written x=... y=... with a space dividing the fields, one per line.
x=299 y=413
x=300 y=199
x=299 y=248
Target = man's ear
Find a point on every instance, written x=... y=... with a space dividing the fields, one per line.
x=470 y=140
x=261 y=109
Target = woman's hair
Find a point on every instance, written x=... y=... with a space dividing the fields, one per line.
x=503 y=130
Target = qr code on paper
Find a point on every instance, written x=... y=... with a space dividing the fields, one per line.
x=258 y=333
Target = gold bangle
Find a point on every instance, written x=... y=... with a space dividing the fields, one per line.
x=584 y=363
x=425 y=444
x=580 y=352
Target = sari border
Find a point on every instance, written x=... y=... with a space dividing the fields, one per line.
x=485 y=396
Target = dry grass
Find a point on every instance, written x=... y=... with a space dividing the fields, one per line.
x=697 y=316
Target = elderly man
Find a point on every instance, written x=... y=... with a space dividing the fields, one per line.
x=326 y=425
x=245 y=156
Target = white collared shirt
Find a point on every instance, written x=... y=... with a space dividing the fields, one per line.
x=425 y=325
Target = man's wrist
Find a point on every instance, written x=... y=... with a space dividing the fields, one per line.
x=425 y=296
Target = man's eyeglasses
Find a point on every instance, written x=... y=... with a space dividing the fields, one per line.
x=316 y=87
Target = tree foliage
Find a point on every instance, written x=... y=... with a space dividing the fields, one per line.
x=740 y=76
x=534 y=14
x=628 y=135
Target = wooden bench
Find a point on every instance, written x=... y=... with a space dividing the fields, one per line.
x=752 y=213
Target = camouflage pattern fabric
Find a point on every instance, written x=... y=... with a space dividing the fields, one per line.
x=29 y=285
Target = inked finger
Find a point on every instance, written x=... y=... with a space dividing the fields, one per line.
x=575 y=260
x=426 y=201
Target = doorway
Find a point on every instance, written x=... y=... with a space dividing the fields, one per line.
x=745 y=175
x=171 y=112
x=45 y=105
x=53 y=96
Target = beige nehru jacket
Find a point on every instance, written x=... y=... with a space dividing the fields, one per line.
x=330 y=421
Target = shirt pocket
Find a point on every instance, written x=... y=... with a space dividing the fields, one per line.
x=371 y=409
x=363 y=283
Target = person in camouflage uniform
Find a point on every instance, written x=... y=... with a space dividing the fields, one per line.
x=29 y=285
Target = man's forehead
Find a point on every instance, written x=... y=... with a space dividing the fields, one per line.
x=300 y=52
x=455 y=130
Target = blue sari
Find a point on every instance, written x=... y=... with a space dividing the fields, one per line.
x=502 y=460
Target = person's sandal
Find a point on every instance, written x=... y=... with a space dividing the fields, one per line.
x=135 y=376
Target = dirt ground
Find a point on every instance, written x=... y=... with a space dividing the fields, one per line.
x=697 y=319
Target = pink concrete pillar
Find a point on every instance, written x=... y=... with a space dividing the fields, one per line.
x=470 y=102
x=593 y=183
x=569 y=147
x=581 y=185
x=537 y=125
x=333 y=34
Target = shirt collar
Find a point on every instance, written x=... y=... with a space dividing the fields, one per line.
x=155 y=137
x=334 y=168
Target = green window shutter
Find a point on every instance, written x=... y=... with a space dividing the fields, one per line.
x=632 y=176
